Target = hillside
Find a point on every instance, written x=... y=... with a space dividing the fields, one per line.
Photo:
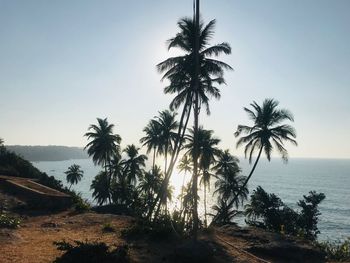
x=48 y=153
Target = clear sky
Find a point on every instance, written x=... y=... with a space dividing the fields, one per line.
x=64 y=63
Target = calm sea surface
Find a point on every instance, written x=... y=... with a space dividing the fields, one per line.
x=289 y=181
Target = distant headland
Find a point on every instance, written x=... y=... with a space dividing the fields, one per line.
x=48 y=153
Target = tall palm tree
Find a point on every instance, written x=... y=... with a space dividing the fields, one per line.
x=228 y=185
x=104 y=144
x=267 y=131
x=184 y=166
x=101 y=187
x=150 y=183
x=167 y=125
x=226 y=162
x=207 y=151
x=116 y=167
x=134 y=164
x=152 y=138
x=74 y=174
x=192 y=77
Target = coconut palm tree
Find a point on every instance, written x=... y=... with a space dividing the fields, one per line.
x=74 y=174
x=267 y=132
x=226 y=162
x=167 y=125
x=207 y=151
x=134 y=164
x=116 y=167
x=101 y=187
x=150 y=183
x=229 y=185
x=192 y=77
x=224 y=213
x=152 y=138
x=104 y=144
x=184 y=166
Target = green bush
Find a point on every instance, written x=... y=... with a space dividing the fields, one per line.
x=268 y=211
x=7 y=221
x=338 y=251
x=80 y=205
x=91 y=252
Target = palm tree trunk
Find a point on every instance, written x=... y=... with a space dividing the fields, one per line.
x=246 y=181
x=182 y=191
x=180 y=134
x=205 y=206
x=166 y=157
x=154 y=158
x=196 y=115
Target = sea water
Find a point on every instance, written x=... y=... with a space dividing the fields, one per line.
x=288 y=181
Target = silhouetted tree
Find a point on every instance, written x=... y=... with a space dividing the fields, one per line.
x=167 y=125
x=192 y=77
x=267 y=132
x=152 y=139
x=207 y=151
x=74 y=174
x=134 y=164
x=184 y=166
x=104 y=144
x=101 y=186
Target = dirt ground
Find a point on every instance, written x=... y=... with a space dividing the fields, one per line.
x=33 y=241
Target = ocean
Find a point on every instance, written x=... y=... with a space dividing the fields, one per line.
x=289 y=181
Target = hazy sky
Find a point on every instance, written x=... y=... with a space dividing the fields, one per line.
x=64 y=63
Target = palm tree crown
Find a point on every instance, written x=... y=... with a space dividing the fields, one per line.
x=104 y=144
x=134 y=164
x=267 y=130
x=74 y=174
x=180 y=71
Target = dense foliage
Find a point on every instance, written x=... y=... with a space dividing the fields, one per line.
x=336 y=251
x=268 y=211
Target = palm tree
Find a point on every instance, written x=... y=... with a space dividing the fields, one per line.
x=224 y=213
x=184 y=166
x=150 y=183
x=207 y=151
x=266 y=132
x=74 y=174
x=192 y=77
x=116 y=167
x=152 y=138
x=167 y=125
x=229 y=185
x=104 y=144
x=101 y=187
x=134 y=164
x=226 y=162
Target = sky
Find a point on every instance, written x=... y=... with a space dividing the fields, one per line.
x=65 y=63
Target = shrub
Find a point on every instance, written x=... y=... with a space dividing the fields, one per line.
x=338 y=251
x=268 y=211
x=80 y=205
x=7 y=221
x=91 y=252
